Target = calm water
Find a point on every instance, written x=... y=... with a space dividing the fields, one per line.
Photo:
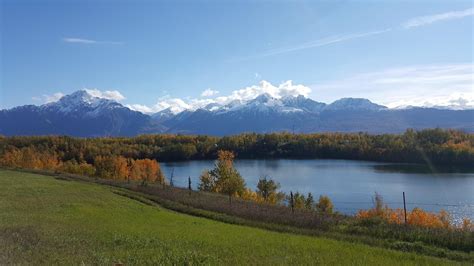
x=352 y=184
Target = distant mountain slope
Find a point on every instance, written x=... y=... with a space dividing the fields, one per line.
x=77 y=114
x=81 y=114
x=393 y=121
x=303 y=115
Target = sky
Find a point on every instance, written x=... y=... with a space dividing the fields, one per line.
x=150 y=55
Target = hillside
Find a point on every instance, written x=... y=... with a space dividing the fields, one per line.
x=49 y=221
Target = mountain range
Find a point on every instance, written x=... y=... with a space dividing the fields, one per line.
x=83 y=115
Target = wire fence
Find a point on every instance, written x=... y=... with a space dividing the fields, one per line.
x=407 y=203
x=457 y=211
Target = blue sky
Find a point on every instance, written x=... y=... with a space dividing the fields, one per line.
x=152 y=54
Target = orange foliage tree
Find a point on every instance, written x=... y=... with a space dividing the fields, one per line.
x=147 y=171
x=111 y=167
x=30 y=158
x=416 y=217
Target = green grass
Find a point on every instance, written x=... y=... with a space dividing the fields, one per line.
x=49 y=221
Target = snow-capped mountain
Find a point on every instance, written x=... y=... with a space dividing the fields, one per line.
x=163 y=115
x=82 y=114
x=359 y=104
x=300 y=114
x=77 y=114
x=82 y=103
x=262 y=103
x=303 y=103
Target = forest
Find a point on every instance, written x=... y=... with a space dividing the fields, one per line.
x=431 y=146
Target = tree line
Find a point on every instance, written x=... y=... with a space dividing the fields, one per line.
x=108 y=167
x=430 y=146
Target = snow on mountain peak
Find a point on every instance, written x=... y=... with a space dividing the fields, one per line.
x=80 y=96
x=263 y=98
x=354 y=104
x=82 y=100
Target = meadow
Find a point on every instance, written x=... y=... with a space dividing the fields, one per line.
x=46 y=220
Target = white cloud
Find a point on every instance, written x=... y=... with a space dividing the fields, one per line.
x=110 y=95
x=425 y=85
x=78 y=40
x=426 y=20
x=140 y=108
x=87 y=41
x=455 y=100
x=46 y=98
x=176 y=105
x=248 y=93
x=209 y=92
x=284 y=89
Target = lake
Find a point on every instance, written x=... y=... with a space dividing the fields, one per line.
x=351 y=184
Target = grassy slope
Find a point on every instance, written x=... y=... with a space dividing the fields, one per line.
x=44 y=221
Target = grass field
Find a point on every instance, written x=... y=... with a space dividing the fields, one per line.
x=49 y=221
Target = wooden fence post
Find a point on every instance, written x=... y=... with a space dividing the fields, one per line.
x=292 y=202
x=404 y=207
x=189 y=185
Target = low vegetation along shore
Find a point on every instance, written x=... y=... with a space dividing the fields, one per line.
x=46 y=220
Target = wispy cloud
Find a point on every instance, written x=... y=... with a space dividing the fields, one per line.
x=426 y=20
x=48 y=98
x=209 y=92
x=411 y=23
x=110 y=95
x=421 y=85
x=323 y=42
x=87 y=41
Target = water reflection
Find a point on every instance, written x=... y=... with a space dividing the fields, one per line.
x=424 y=169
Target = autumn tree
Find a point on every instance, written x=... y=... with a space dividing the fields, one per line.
x=104 y=167
x=207 y=182
x=121 y=169
x=111 y=167
x=30 y=158
x=267 y=189
x=298 y=200
x=224 y=178
x=232 y=185
x=12 y=158
x=150 y=171
x=135 y=171
x=73 y=167
x=325 y=205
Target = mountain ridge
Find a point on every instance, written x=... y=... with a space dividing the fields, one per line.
x=82 y=114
